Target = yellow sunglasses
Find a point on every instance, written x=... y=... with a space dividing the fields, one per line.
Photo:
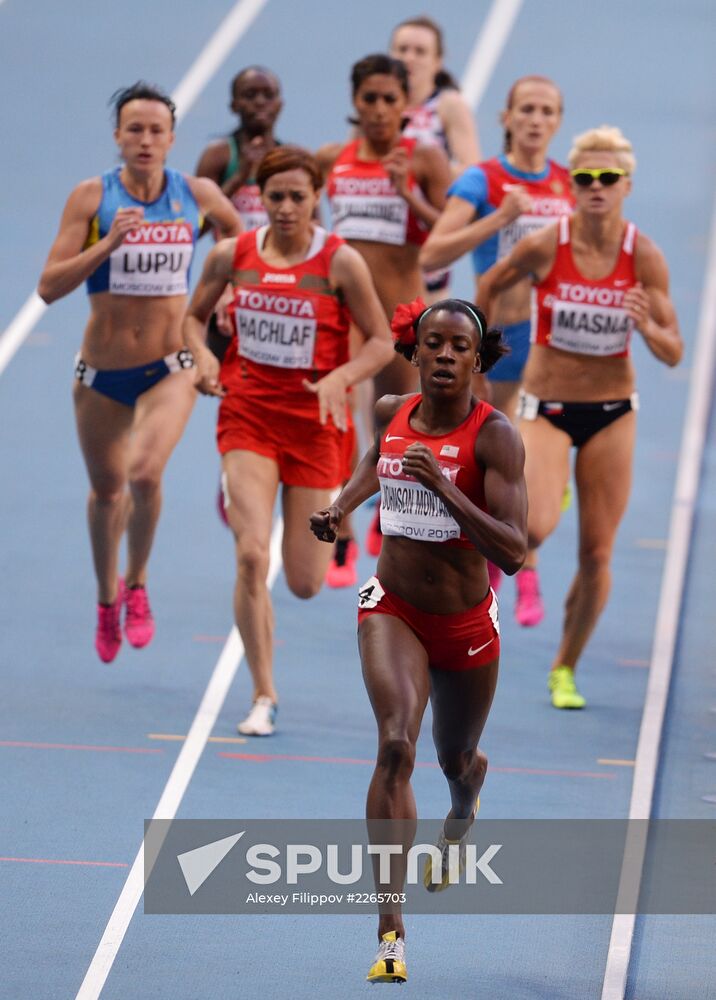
x=585 y=176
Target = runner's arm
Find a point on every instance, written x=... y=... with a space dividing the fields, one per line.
x=650 y=305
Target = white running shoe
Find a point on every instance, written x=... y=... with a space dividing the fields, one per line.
x=389 y=964
x=260 y=720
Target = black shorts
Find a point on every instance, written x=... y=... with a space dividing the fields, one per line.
x=581 y=421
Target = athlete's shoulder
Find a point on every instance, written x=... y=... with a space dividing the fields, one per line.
x=328 y=154
x=498 y=436
x=387 y=406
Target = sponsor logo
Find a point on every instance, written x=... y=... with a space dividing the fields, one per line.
x=161 y=232
x=365 y=186
x=286 y=279
x=610 y=406
x=568 y=292
x=474 y=652
x=247 y=298
x=394 y=437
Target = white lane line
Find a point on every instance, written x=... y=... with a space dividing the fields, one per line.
x=667 y=624
x=237 y=21
x=176 y=786
x=487 y=49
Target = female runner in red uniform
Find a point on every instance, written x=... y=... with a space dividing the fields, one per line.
x=385 y=192
x=283 y=387
x=130 y=234
x=450 y=471
x=596 y=279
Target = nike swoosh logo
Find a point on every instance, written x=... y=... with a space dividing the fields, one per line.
x=342 y=167
x=474 y=652
x=620 y=281
x=394 y=437
x=610 y=406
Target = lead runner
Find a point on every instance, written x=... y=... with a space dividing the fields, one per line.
x=450 y=471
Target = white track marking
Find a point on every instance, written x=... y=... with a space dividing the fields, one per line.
x=240 y=18
x=667 y=625
x=488 y=49
x=176 y=786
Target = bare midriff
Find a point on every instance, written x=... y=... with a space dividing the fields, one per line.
x=395 y=271
x=563 y=376
x=125 y=331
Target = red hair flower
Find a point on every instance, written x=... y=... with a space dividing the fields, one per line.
x=404 y=319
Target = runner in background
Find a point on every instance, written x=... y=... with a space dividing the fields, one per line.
x=130 y=234
x=596 y=280
x=437 y=112
x=283 y=383
x=489 y=209
x=385 y=192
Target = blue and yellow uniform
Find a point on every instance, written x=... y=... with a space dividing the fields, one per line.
x=153 y=260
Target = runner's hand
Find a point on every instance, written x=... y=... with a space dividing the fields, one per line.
x=206 y=376
x=223 y=316
x=126 y=220
x=420 y=463
x=397 y=165
x=325 y=523
x=515 y=203
x=332 y=396
x=636 y=303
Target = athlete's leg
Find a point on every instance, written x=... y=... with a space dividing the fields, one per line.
x=305 y=559
x=461 y=701
x=103 y=427
x=395 y=671
x=603 y=473
x=546 y=475
x=252 y=484
x=160 y=416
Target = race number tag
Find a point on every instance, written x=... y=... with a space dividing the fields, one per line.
x=153 y=260
x=370 y=594
x=370 y=209
x=275 y=329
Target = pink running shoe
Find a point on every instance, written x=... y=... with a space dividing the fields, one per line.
x=342 y=570
x=374 y=536
x=138 y=623
x=108 y=637
x=495 y=575
x=221 y=502
x=529 y=609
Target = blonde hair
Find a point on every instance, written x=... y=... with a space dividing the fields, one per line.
x=605 y=139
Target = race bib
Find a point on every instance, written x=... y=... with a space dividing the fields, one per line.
x=275 y=329
x=409 y=509
x=247 y=201
x=370 y=594
x=514 y=231
x=590 y=329
x=152 y=260
x=380 y=219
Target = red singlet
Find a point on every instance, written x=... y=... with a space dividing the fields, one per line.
x=408 y=508
x=364 y=203
x=583 y=315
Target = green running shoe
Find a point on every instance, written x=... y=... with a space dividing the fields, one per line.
x=452 y=862
x=564 y=690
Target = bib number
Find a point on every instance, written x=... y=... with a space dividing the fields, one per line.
x=370 y=594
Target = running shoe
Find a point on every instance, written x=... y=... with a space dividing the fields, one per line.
x=453 y=862
x=260 y=720
x=138 y=621
x=495 y=575
x=564 y=690
x=529 y=608
x=374 y=536
x=566 y=498
x=108 y=637
x=342 y=570
x=389 y=964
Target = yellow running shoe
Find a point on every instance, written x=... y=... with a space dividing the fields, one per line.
x=389 y=964
x=453 y=862
x=564 y=690
x=566 y=498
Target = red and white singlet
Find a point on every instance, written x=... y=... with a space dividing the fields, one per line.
x=408 y=508
x=364 y=203
x=287 y=320
x=582 y=315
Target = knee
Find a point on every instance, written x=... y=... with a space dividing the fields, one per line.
x=144 y=481
x=457 y=765
x=252 y=567
x=396 y=757
x=108 y=494
x=595 y=559
x=301 y=584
